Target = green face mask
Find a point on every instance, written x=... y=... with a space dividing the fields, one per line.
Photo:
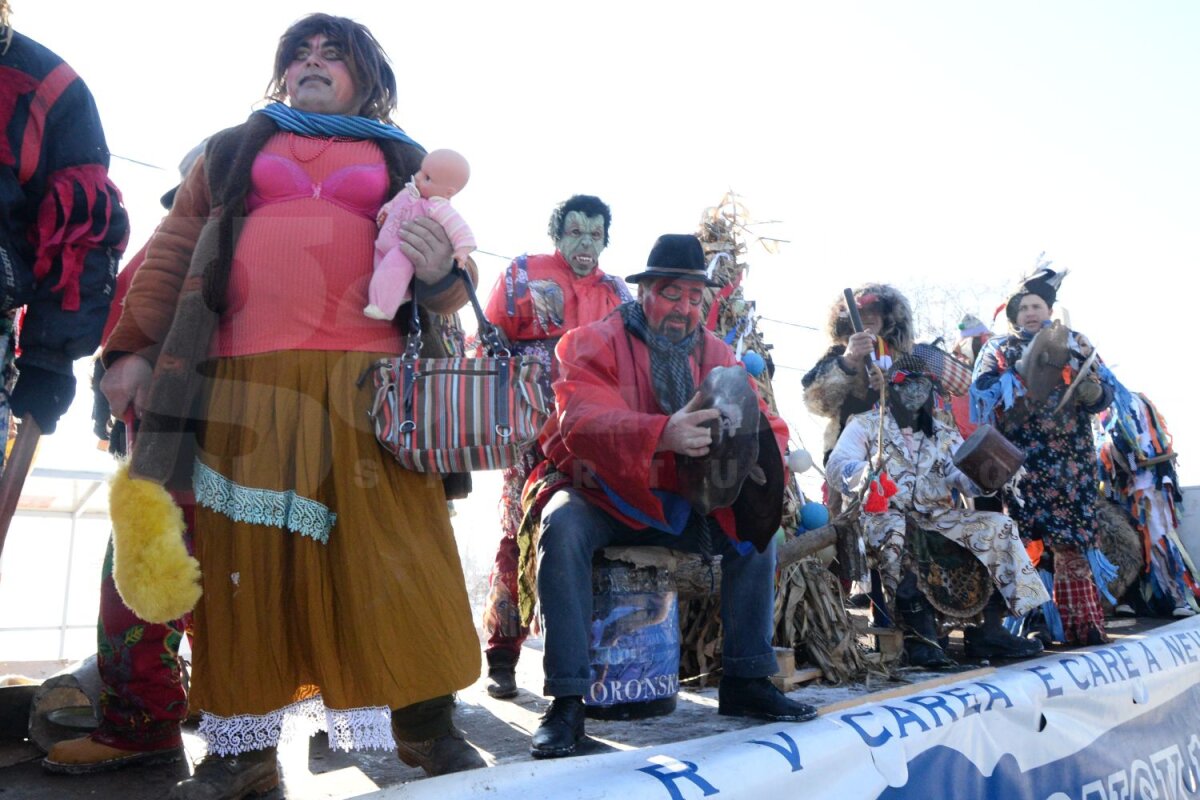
x=581 y=242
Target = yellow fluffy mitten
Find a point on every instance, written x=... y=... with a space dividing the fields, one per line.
x=154 y=574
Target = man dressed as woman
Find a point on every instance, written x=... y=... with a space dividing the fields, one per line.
x=1057 y=496
x=333 y=596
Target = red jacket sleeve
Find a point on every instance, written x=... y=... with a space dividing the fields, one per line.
x=614 y=441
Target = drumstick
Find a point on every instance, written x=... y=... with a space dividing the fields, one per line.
x=852 y=307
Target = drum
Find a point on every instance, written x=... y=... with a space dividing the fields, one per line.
x=634 y=643
x=988 y=459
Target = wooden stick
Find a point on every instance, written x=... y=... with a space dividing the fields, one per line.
x=15 y=472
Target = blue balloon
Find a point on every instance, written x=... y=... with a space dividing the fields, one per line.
x=753 y=363
x=813 y=515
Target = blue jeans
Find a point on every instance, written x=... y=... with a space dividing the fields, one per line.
x=573 y=530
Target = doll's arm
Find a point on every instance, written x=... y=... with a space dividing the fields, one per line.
x=461 y=237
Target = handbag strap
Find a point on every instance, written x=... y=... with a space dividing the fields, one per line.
x=489 y=335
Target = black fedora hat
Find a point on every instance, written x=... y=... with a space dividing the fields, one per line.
x=676 y=255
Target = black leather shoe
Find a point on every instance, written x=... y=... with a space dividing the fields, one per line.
x=561 y=729
x=441 y=756
x=992 y=639
x=502 y=674
x=918 y=653
x=758 y=698
x=980 y=642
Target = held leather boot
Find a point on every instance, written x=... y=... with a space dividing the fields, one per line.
x=992 y=639
x=561 y=728
x=502 y=674
x=247 y=774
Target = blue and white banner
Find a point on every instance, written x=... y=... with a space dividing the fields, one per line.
x=1120 y=722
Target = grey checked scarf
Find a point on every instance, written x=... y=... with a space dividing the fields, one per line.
x=670 y=369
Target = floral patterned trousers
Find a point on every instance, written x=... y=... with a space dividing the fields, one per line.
x=143 y=700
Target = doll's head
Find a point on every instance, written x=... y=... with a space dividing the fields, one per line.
x=443 y=173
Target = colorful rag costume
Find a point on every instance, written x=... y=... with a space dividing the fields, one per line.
x=62 y=227
x=333 y=591
x=922 y=468
x=393 y=271
x=1058 y=492
x=1138 y=461
x=534 y=302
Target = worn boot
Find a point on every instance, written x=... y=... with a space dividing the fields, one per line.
x=230 y=777
x=921 y=637
x=441 y=755
x=502 y=674
x=992 y=640
x=758 y=698
x=426 y=737
x=561 y=729
x=86 y=756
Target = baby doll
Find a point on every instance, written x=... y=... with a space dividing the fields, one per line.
x=442 y=175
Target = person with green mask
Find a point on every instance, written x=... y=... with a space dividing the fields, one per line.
x=535 y=301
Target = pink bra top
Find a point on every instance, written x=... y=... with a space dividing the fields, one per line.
x=359 y=189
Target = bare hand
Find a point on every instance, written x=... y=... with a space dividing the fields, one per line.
x=127 y=381
x=428 y=248
x=1084 y=345
x=858 y=348
x=686 y=433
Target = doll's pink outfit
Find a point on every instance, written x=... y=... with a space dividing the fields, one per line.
x=390 y=284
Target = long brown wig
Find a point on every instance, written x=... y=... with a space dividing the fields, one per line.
x=367 y=62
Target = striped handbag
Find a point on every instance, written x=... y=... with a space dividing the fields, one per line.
x=458 y=414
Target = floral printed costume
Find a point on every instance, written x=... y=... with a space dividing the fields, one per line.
x=1058 y=492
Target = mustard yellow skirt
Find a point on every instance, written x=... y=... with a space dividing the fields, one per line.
x=333 y=589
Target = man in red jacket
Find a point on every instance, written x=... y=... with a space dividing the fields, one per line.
x=627 y=406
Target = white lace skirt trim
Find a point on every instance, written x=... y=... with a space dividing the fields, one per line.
x=348 y=729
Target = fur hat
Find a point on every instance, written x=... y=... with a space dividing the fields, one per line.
x=676 y=255
x=891 y=305
x=1044 y=282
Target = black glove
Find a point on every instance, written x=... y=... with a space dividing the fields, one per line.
x=45 y=394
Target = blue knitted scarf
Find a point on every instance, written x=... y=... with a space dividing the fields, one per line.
x=306 y=123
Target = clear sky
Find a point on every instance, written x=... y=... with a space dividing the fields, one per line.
x=919 y=143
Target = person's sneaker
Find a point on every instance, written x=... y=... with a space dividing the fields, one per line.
x=561 y=729
x=1183 y=611
x=502 y=674
x=441 y=756
x=230 y=777
x=758 y=698
x=1124 y=610
x=85 y=756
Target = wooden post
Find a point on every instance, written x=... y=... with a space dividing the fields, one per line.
x=15 y=472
